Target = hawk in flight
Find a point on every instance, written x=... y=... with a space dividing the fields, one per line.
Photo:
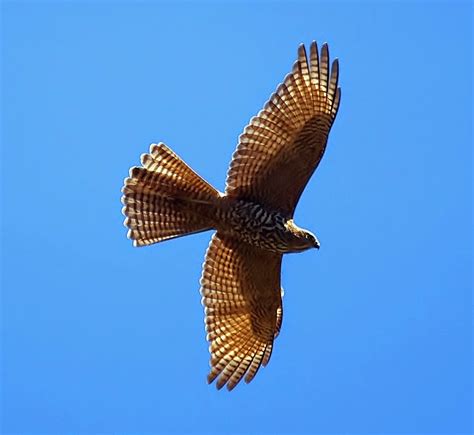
x=276 y=155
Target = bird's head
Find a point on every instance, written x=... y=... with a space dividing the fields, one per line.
x=312 y=239
x=300 y=239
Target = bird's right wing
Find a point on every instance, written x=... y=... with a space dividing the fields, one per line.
x=240 y=288
x=282 y=146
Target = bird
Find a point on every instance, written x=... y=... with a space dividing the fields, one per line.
x=252 y=219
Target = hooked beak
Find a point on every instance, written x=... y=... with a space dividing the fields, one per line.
x=316 y=243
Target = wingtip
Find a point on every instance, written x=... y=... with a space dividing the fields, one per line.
x=144 y=158
x=302 y=58
x=325 y=50
x=231 y=386
x=220 y=383
x=153 y=146
x=124 y=187
x=314 y=53
x=133 y=171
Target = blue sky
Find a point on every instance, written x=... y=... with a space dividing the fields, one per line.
x=101 y=337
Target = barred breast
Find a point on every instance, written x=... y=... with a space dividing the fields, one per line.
x=254 y=224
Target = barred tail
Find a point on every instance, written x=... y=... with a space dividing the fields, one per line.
x=165 y=198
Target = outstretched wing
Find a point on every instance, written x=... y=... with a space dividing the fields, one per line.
x=240 y=288
x=282 y=146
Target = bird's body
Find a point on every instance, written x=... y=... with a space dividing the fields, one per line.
x=256 y=225
x=253 y=218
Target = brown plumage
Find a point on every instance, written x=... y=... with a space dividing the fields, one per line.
x=276 y=155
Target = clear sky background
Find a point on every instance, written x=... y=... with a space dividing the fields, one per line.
x=101 y=337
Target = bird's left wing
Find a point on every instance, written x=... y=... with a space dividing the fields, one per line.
x=240 y=288
x=282 y=146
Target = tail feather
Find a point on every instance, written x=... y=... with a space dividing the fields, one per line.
x=165 y=198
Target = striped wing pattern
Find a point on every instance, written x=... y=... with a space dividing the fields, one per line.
x=282 y=146
x=240 y=288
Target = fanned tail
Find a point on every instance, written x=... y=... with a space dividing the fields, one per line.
x=165 y=198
